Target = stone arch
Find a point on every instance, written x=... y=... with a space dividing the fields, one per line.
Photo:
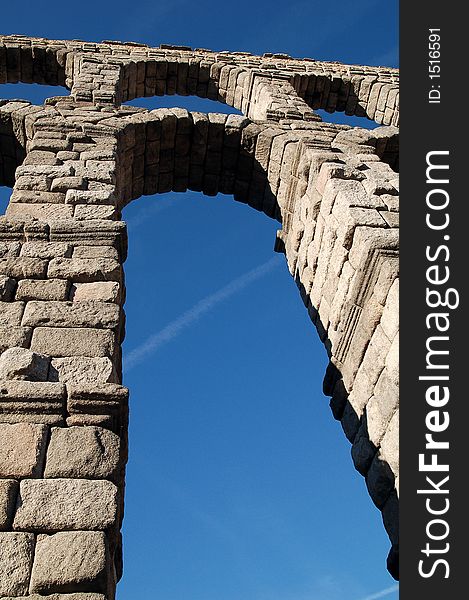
x=63 y=246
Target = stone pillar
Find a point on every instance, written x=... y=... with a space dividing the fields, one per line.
x=63 y=412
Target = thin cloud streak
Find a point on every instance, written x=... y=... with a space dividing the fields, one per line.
x=176 y=327
x=382 y=593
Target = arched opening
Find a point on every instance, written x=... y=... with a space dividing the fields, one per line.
x=190 y=103
x=32 y=92
x=342 y=118
x=228 y=421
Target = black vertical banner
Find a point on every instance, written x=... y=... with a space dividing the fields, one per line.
x=434 y=417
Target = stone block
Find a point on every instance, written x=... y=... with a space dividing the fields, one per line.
x=83 y=453
x=379 y=481
x=105 y=405
x=88 y=211
x=9 y=249
x=46 y=250
x=390 y=443
x=381 y=407
x=391 y=517
x=89 y=313
x=66 y=504
x=23 y=267
x=81 y=270
x=42 y=212
x=63 y=184
x=21 y=363
x=95 y=252
x=22 y=450
x=8 y=491
x=65 y=341
x=390 y=318
x=392 y=361
x=42 y=289
x=86 y=197
x=11 y=313
x=81 y=369
x=106 y=291
x=32 y=402
x=14 y=336
x=16 y=557
x=71 y=561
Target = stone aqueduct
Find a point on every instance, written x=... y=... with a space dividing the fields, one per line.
x=73 y=163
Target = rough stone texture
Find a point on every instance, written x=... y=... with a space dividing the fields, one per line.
x=20 y=363
x=83 y=452
x=22 y=450
x=31 y=402
x=51 y=289
x=75 y=162
x=80 y=369
x=63 y=341
x=106 y=291
x=65 y=504
x=74 y=561
x=11 y=313
x=85 y=270
x=16 y=555
x=11 y=337
x=8 y=491
x=89 y=313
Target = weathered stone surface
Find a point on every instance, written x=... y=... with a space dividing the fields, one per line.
x=65 y=504
x=84 y=211
x=8 y=491
x=379 y=481
x=46 y=250
x=85 y=270
x=14 y=336
x=106 y=291
x=81 y=369
x=63 y=341
x=95 y=252
x=32 y=402
x=62 y=184
x=89 y=313
x=16 y=556
x=71 y=561
x=22 y=450
x=21 y=363
x=23 y=267
x=83 y=452
x=42 y=212
x=11 y=313
x=390 y=443
x=42 y=289
x=104 y=405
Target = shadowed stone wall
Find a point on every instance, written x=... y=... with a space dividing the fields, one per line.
x=73 y=164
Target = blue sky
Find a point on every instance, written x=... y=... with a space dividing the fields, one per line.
x=240 y=483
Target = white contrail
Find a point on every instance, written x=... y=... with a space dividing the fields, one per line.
x=149 y=211
x=188 y=317
x=382 y=593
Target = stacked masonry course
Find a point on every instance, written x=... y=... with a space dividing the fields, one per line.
x=73 y=164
